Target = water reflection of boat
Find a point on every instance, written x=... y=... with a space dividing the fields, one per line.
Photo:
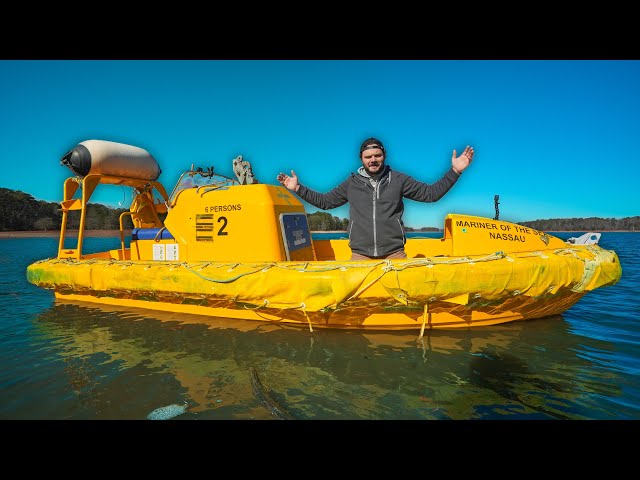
x=234 y=250
x=159 y=356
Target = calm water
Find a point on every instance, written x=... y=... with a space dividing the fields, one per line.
x=81 y=361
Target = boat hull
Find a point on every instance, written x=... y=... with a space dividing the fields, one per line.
x=444 y=292
x=443 y=316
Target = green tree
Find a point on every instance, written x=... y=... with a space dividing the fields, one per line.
x=44 y=223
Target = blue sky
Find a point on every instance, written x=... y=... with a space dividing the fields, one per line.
x=553 y=138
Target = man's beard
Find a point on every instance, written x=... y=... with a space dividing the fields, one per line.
x=377 y=172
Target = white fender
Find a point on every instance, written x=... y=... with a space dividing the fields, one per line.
x=111 y=158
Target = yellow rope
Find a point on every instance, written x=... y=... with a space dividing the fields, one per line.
x=158 y=236
x=366 y=286
x=264 y=304
x=303 y=306
x=424 y=320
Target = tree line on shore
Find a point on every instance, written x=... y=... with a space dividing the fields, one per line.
x=19 y=211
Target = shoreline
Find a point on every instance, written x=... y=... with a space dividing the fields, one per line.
x=116 y=233
x=56 y=233
x=91 y=233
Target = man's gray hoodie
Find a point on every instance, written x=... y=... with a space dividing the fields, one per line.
x=376 y=206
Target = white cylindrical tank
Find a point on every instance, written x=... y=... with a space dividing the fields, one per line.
x=111 y=158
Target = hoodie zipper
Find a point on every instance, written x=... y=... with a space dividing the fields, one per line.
x=375 y=229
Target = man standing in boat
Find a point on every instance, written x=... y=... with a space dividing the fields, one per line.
x=375 y=196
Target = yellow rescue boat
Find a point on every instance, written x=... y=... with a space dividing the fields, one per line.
x=236 y=248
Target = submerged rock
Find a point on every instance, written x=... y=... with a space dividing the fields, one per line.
x=168 y=412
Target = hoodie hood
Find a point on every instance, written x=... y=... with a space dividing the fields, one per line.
x=380 y=175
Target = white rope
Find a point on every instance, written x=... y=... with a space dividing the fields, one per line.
x=303 y=306
x=424 y=321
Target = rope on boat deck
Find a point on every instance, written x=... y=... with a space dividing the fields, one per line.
x=384 y=271
x=388 y=266
x=226 y=280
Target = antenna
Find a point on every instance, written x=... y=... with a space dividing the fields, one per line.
x=495 y=200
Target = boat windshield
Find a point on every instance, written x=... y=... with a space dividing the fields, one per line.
x=201 y=178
